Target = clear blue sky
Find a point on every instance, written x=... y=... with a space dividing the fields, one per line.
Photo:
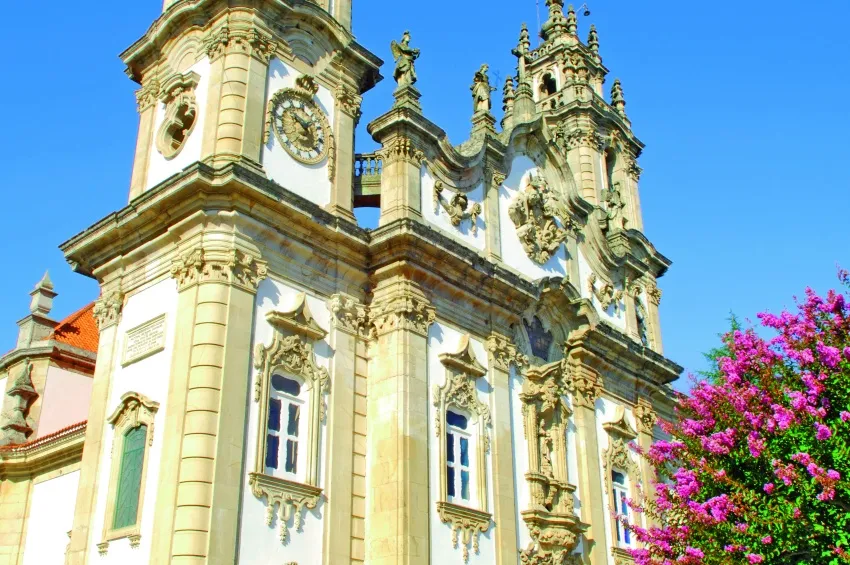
x=743 y=108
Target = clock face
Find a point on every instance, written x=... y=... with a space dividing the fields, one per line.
x=300 y=126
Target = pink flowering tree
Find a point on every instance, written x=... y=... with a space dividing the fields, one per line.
x=757 y=465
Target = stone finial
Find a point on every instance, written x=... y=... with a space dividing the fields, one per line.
x=42 y=296
x=618 y=101
x=556 y=24
x=572 y=21
x=405 y=57
x=593 y=40
x=508 y=95
x=524 y=44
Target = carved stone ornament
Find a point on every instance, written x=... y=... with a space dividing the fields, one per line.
x=403 y=313
x=401 y=149
x=103 y=548
x=551 y=519
x=584 y=384
x=348 y=101
x=503 y=352
x=351 y=316
x=467 y=525
x=107 y=309
x=135 y=541
x=614 y=206
x=290 y=498
x=605 y=293
x=251 y=40
x=148 y=95
x=533 y=213
x=654 y=294
x=457 y=208
x=300 y=125
x=481 y=91
x=568 y=138
x=225 y=267
x=459 y=391
x=133 y=410
x=181 y=113
x=617 y=456
x=15 y=426
x=404 y=56
x=645 y=416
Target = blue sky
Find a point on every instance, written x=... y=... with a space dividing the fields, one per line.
x=743 y=108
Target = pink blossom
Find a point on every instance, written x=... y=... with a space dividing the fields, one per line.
x=754 y=558
x=768 y=488
x=823 y=432
x=845 y=415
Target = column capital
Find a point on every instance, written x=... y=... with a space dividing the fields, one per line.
x=247 y=40
x=107 y=309
x=584 y=383
x=348 y=101
x=403 y=310
x=503 y=352
x=645 y=416
x=232 y=267
x=350 y=316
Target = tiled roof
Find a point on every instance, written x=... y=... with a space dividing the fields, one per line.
x=74 y=428
x=78 y=330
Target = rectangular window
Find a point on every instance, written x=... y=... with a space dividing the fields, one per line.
x=130 y=478
x=621 y=507
x=457 y=457
x=283 y=426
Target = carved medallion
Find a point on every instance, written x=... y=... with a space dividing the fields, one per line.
x=533 y=214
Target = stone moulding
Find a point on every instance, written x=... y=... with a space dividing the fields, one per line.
x=457 y=208
x=467 y=525
x=291 y=499
x=533 y=213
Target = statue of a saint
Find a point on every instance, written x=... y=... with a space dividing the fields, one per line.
x=614 y=203
x=481 y=90
x=404 y=56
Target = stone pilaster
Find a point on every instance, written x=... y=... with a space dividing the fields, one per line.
x=397 y=444
x=203 y=446
x=345 y=120
x=503 y=354
x=107 y=312
x=147 y=98
x=585 y=386
x=348 y=319
x=493 y=181
x=401 y=180
x=645 y=417
x=654 y=295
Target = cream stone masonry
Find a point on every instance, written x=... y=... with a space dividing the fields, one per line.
x=508 y=283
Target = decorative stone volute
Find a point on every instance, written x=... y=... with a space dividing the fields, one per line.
x=503 y=353
x=218 y=266
x=350 y=316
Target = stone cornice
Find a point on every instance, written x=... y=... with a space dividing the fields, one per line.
x=60 y=448
x=54 y=349
x=188 y=14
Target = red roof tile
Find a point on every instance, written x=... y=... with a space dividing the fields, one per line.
x=78 y=330
x=73 y=428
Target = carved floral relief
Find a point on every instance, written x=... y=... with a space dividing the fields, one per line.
x=533 y=213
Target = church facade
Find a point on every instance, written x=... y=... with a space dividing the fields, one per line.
x=262 y=381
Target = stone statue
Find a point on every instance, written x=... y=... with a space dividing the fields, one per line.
x=614 y=204
x=481 y=90
x=404 y=56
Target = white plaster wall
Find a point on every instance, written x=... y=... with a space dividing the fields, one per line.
x=67 y=396
x=149 y=376
x=520 y=453
x=605 y=412
x=445 y=339
x=3 y=386
x=615 y=316
x=51 y=516
x=160 y=168
x=259 y=543
x=512 y=252
x=309 y=181
x=438 y=217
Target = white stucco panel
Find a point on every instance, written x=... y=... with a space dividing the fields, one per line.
x=437 y=216
x=309 y=181
x=160 y=168
x=615 y=314
x=513 y=253
x=150 y=377
x=51 y=516
x=445 y=339
x=260 y=543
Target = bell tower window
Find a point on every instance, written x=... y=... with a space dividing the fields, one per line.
x=548 y=85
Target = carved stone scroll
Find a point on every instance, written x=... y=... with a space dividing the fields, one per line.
x=533 y=213
x=605 y=293
x=457 y=208
x=228 y=267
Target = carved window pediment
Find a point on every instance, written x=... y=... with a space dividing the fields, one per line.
x=617 y=457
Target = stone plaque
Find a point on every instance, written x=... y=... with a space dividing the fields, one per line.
x=144 y=340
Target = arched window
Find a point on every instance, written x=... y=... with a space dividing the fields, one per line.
x=548 y=85
x=458 y=467
x=284 y=426
x=619 y=487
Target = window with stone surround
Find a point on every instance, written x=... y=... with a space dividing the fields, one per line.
x=283 y=433
x=620 y=492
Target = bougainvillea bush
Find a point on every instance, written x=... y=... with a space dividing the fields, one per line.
x=756 y=467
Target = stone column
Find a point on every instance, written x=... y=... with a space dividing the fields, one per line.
x=401 y=180
x=147 y=98
x=502 y=354
x=586 y=385
x=492 y=182
x=107 y=312
x=345 y=120
x=342 y=13
x=217 y=288
x=398 y=514
x=646 y=417
x=347 y=317
x=583 y=149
